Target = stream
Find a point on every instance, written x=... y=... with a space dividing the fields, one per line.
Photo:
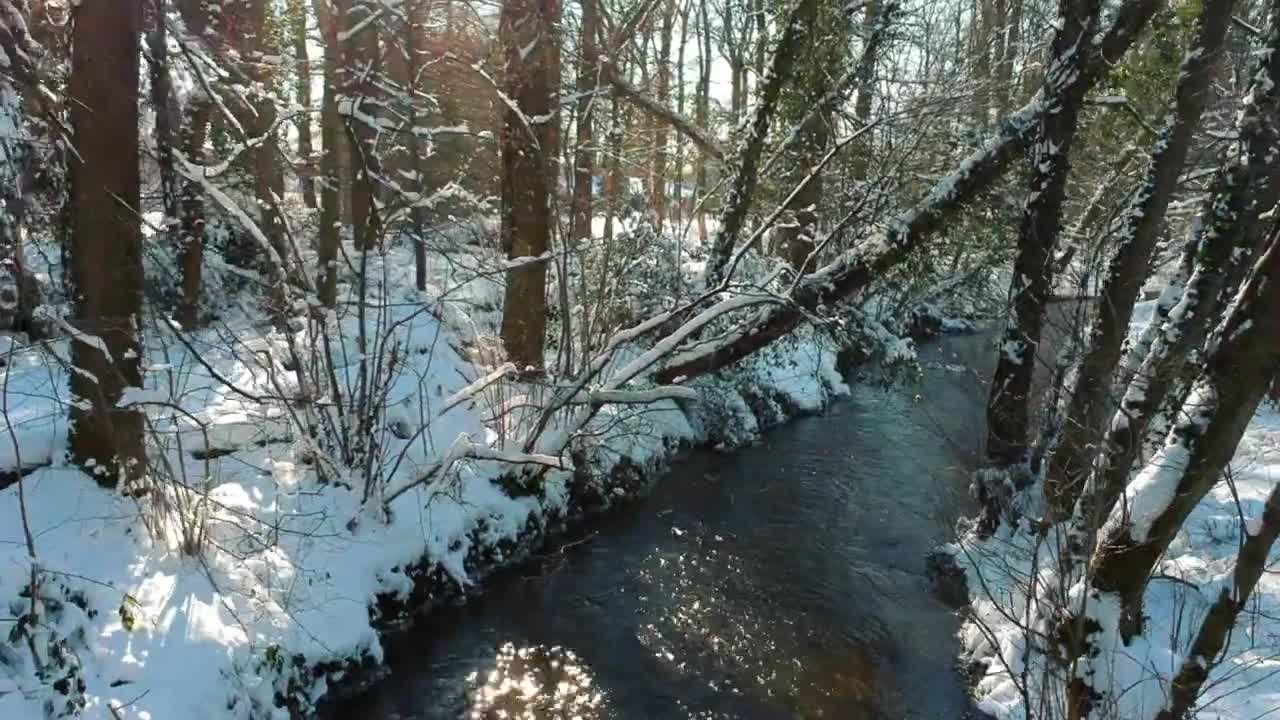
x=783 y=580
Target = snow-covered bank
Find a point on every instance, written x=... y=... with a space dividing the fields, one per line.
x=1018 y=597
x=295 y=578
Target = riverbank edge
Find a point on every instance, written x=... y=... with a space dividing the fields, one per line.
x=595 y=492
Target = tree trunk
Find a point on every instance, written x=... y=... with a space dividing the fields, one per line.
x=530 y=136
x=1087 y=404
x=1243 y=358
x=700 y=117
x=661 y=135
x=106 y=439
x=191 y=239
x=983 y=27
x=330 y=165
x=1007 y=407
x=244 y=27
x=302 y=88
x=1009 y=47
x=744 y=167
x=681 y=95
x=417 y=13
x=584 y=153
x=362 y=63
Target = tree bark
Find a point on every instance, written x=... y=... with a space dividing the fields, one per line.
x=302 y=89
x=701 y=114
x=1087 y=404
x=585 y=153
x=106 y=439
x=1009 y=47
x=1007 y=407
x=530 y=137
x=662 y=91
x=330 y=165
x=362 y=63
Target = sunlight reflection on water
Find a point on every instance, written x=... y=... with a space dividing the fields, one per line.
x=534 y=682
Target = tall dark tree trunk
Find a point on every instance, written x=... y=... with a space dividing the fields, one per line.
x=983 y=30
x=328 y=12
x=192 y=208
x=681 y=95
x=191 y=230
x=302 y=90
x=527 y=31
x=701 y=115
x=662 y=135
x=106 y=439
x=244 y=27
x=1009 y=47
x=585 y=153
x=417 y=13
x=1007 y=407
x=1087 y=404
x=362 y=63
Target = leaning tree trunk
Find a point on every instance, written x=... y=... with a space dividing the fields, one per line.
x=1229 y=228
x=1007 y=408
x=1243 y=357
x=743 y=170
x=1086 y=409
x=106 y=351
x=530 y=137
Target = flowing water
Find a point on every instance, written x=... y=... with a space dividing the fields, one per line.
x=784 y=580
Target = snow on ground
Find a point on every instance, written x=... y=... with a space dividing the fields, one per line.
x=1200 y=562
x=290 y=567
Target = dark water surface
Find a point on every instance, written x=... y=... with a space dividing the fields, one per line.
x=785 y=580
